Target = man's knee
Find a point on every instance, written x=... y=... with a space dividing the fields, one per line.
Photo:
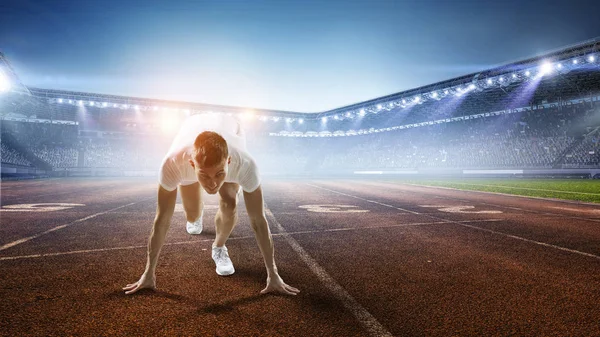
x=228 y=207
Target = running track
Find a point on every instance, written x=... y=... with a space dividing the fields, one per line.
x=386 y=260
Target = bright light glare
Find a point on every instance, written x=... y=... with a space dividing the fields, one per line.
x=591 y=58
x=247 y=116
x=301 y=121
x=546 y=68
x=4 y=83
x=434 y=94
x=169 y=123
x=60 y=100
x=323 y=119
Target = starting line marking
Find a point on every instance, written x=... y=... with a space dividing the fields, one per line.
x=20 y=241
x=45 y=207
x=491 y=231
x=332 y=209
x=369 y=323
x=99 y=250
x=460 y=209
x=367 y=200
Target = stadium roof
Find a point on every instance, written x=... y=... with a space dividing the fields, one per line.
x=432 y=92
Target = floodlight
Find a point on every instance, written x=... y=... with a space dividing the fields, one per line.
x=489 y=81
x=379 y=106
x=527 y=73
x=418 y=98
x=434 y=95
x=591 y=58
x=323 y=119
x=301 y=121
x=546 y=68
x=575 y=61
x=472 y=86
x=91 y=103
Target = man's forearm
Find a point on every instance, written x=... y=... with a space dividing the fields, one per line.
x=155 y=243
x=265 y=244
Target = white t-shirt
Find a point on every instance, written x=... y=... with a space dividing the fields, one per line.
x=176 y=169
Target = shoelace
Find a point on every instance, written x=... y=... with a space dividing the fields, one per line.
x=222 y=256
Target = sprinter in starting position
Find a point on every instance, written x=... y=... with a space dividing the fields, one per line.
x=210 y=153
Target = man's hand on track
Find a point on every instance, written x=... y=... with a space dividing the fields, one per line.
x=144 y=282
x=276 y=284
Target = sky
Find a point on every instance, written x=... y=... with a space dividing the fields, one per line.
x=304 y=56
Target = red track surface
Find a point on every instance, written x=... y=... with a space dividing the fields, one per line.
x=415 y=264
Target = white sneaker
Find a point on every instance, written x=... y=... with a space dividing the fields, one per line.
x=222 y=260
x=196 y=226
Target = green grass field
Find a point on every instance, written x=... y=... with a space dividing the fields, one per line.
x=587 y=190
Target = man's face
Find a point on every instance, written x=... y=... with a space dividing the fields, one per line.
x=212 y=178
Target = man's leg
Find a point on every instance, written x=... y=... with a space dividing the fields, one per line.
x=226 y=217
x=225 y=220
x=191 y=197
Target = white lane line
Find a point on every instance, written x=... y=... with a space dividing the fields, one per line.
x=369 y=323
x=596 y=211
x=98 y=250
x=371 y=201
x=533 y=241
x=515 y=237
x=20 y=241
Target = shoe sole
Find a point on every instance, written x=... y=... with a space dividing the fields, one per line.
x=224 y=273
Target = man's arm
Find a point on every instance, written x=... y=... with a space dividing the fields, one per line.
x=162 y=221
x=255 y=208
